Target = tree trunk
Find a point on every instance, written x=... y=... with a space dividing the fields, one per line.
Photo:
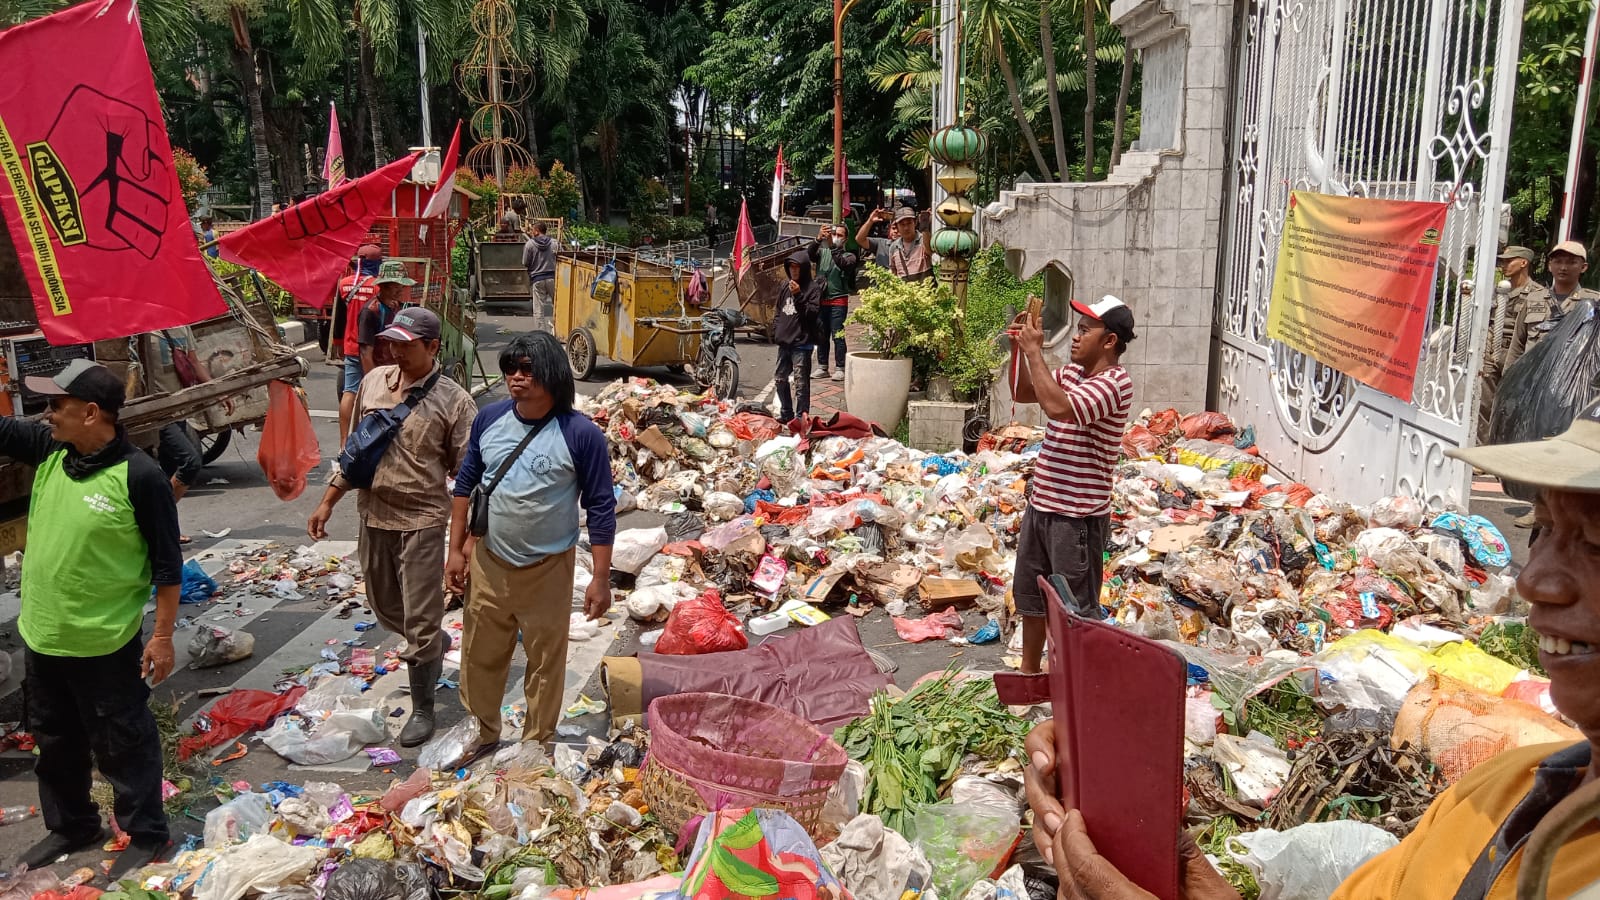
x=531 y=123
x=577 y=156
x=1090 y=10
x=1122 y=105
x=369 y=92
x=1052 y=90
x=1016 y=101
x=244 y=61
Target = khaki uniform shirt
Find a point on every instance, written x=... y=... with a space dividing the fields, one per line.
x=1529 y=307
x=1538 y=329
x=409 y=490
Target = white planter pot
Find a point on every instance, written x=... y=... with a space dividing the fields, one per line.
x=876 y=389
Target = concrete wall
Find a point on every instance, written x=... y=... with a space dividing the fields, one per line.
x=1149 y=233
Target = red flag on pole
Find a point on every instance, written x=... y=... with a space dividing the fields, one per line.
x=333 y=160
x=779 y=175
x=90 y=193
x=306 y=247
x=439 y=203
x=744 y=241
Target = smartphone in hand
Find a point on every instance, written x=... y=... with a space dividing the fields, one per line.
x=1036 y=310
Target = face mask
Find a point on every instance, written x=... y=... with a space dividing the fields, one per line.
x=838 y=242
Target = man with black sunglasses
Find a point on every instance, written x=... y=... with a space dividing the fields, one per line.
x=539 y=460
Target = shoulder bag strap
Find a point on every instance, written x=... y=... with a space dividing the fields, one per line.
x=506 y=466
x=414 y=397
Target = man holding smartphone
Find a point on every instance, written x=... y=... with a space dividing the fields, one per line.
x=1069 y=504
x=907 y=252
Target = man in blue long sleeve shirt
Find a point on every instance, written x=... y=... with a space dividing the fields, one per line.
x=522 y=567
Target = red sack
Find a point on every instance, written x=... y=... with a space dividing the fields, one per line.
x=701 y=625
x=1164 y=423
x=1139 y=442
x=288 y=449
x=1207 y=426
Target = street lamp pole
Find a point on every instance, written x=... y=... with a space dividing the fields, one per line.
x=840 y=9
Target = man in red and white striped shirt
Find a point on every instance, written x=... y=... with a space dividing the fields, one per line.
x=1064 y=529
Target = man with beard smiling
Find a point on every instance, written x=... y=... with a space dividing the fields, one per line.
x=1473 y=842
x=539 y=460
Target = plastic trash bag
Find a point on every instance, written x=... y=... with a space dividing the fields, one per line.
x=441 y=753
x=238 y=820
x=720 y=506
x=962 y=844
x=262 y=862
x=935 y=627
x=1549 y=386
x=197 y=585
x=217 y=646
x=377 y=879
x=29 y=883
x=338 y=737
x=288 y=450
x=701 y=625
x=237 y=713
x=1395 y=512
x=1258 y=769
x=1308 y=862
x=874 y=862
x=334 y=692
x=636 y=547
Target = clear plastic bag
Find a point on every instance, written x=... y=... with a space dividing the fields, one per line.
x=237 y=820
x=340 y=736
x=636 y=547
x=216 y=646
x=963 y=845
x=441 y=753
x=262 y=862
x=1308 y=862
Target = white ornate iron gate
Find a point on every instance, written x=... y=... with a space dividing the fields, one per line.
x=1394 y=99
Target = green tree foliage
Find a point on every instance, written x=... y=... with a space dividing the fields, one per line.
x=1547 y=83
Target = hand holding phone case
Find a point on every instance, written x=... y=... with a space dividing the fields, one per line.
x=1117 y=701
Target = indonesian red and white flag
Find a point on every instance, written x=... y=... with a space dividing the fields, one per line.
x=744 y=242
x=333 y=160
x=439 y=203
x=779 y=176
x=87 y=182
x=306 y=247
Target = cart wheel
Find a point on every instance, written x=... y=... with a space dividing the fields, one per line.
x=727 y=381
x=457 y=371
x=580 y=350
x=213 y=445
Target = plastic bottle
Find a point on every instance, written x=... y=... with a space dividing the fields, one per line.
x=10 y=815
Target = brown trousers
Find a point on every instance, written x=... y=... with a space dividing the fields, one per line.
x=405 y=587
x=502 y=600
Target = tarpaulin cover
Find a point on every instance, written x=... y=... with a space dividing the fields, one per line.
x=822 y=674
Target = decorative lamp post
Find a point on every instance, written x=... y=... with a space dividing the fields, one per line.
x=956 y=149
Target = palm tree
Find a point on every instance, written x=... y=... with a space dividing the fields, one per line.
x=242 y=50
x=1047 y=46
x=1123 y=89
x=991 y=21
x=1091 y=10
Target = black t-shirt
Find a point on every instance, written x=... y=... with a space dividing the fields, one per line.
x=375 y=317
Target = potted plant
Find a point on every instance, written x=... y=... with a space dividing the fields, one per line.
x=909 y=327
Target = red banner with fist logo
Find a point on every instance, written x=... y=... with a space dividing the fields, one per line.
x=308 y=246
x=90 y=194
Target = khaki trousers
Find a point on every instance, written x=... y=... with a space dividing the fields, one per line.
x=405 y=587
x=502 y=600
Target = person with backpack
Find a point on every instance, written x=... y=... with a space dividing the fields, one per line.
x=797 y=328
x=403 y=496
x=836 y=269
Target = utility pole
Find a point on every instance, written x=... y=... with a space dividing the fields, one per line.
x=840 y=10
x=422 y=84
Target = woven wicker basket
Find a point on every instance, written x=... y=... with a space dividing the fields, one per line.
x=716 y=751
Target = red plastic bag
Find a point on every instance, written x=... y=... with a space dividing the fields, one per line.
x=81 y=892
x=288 y=443
x=936 y=627
x=701 y=625
x=1207 y=426
x=237 y=713
x=1164 y=423
x=1139 y=442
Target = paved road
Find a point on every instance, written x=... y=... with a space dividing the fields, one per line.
x=292 y=633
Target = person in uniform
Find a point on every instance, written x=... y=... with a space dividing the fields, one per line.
x=1516 y=266
x=1567 y=263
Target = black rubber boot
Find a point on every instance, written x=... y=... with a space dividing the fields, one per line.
x=424 y=678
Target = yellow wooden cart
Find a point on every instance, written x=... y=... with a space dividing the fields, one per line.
x=646 y=321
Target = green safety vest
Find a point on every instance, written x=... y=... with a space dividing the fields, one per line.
x=86 y=573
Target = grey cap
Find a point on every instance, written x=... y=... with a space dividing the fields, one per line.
x=84 y=379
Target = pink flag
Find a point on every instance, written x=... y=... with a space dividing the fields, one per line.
x=333 y=161
x=439 y=203
x=779 y=175
x=744 y=242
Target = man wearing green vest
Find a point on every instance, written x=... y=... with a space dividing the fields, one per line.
x=102 y=528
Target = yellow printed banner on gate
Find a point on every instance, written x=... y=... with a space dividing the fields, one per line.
x=1354 y=283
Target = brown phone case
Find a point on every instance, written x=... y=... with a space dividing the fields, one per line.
x=1035 y=310
x=1117 y=701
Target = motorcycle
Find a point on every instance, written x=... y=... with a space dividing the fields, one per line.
x=717 y=365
